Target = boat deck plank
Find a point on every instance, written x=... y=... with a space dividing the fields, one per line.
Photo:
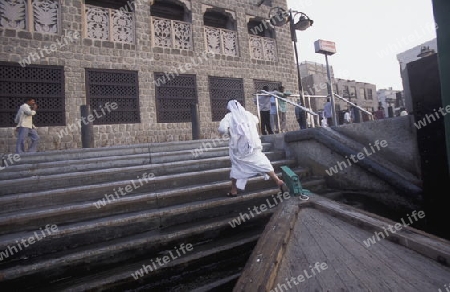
x=384 y=266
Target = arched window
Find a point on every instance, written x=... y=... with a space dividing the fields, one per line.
x=260 y=28
x=171 y=9
x=262 y=40
x=220 y=31
x=171 y=24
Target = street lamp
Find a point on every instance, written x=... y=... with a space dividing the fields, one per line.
x=279 y=17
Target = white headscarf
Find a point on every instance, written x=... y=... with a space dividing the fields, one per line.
x=240 y=125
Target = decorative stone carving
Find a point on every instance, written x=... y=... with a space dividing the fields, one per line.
x=46 y=16
x=13 y=14
x=162 y=29
x=172 y=34
x=270 y=49
x=182 y=34
x=256 y=48
x=212 y=36
x=221 y=41
x=97 y=23
x=263 y=48
x=229 y=39
x=122 y=26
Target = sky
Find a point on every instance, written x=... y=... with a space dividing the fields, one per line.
x=368 y=35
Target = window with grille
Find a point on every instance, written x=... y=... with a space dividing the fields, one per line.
x=43 y=83
x=174 y=97
x=31 y=15
x=119 y=86
x=220 y=91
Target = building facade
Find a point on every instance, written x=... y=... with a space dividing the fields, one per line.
x=138 y=65
x=309 y=68
x=408 y=56
x=390 y=98
x=315 y=87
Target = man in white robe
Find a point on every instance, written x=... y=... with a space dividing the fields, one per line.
x=247 y=158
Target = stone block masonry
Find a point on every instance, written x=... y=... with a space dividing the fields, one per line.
x=85 y=53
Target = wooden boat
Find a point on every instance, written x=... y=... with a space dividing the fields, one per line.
x=323 y=245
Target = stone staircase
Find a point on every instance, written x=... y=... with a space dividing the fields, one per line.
x=90 y=220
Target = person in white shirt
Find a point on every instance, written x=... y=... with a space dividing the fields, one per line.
x=247 y=158
x=25 y=127
x=347 y=117
x=403 y=112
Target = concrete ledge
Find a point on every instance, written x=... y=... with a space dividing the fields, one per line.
x=403 y=187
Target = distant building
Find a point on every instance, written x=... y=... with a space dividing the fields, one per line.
x=389 y=98
x=408 y=56
x=310 y=68
x=361 y=93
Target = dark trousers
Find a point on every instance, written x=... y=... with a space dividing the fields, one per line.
x=330 y=122
x=265 y=123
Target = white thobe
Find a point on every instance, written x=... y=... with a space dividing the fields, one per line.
x=245 y=164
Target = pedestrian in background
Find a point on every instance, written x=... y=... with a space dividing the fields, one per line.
x=355 y=115
x=274 y=113
x=25 y=127
x=282 y=108
x=347 y=117
x=300 y=116
x=264 y=112
x=379 y=114
x=403 y=112
x=327 y=113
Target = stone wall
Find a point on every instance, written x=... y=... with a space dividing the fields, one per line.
x=142 y=57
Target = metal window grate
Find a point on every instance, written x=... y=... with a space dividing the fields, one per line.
x=220 y=91
x=119 y=86
x=44 y=83
x=174 y=97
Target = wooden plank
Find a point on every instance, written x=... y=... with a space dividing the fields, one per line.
x=370 y=270
x=333 y=233
x=301 y=252
x=261 y=269
x=426 y=244
x=340 y=257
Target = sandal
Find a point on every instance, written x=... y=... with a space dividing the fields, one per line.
x=231 y=195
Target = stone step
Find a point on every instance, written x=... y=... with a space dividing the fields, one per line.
x=75 y=212
x=127 y=251
x=180 y=184
x=223 y=284
x=83 y=227
x=96 y=163
x=184 y=274
x=73 y=179
x=85 y=153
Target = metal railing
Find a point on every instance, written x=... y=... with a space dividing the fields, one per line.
x=353 y=104
x=275 y=94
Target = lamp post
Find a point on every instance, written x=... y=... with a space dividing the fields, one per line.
x=279 y=17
